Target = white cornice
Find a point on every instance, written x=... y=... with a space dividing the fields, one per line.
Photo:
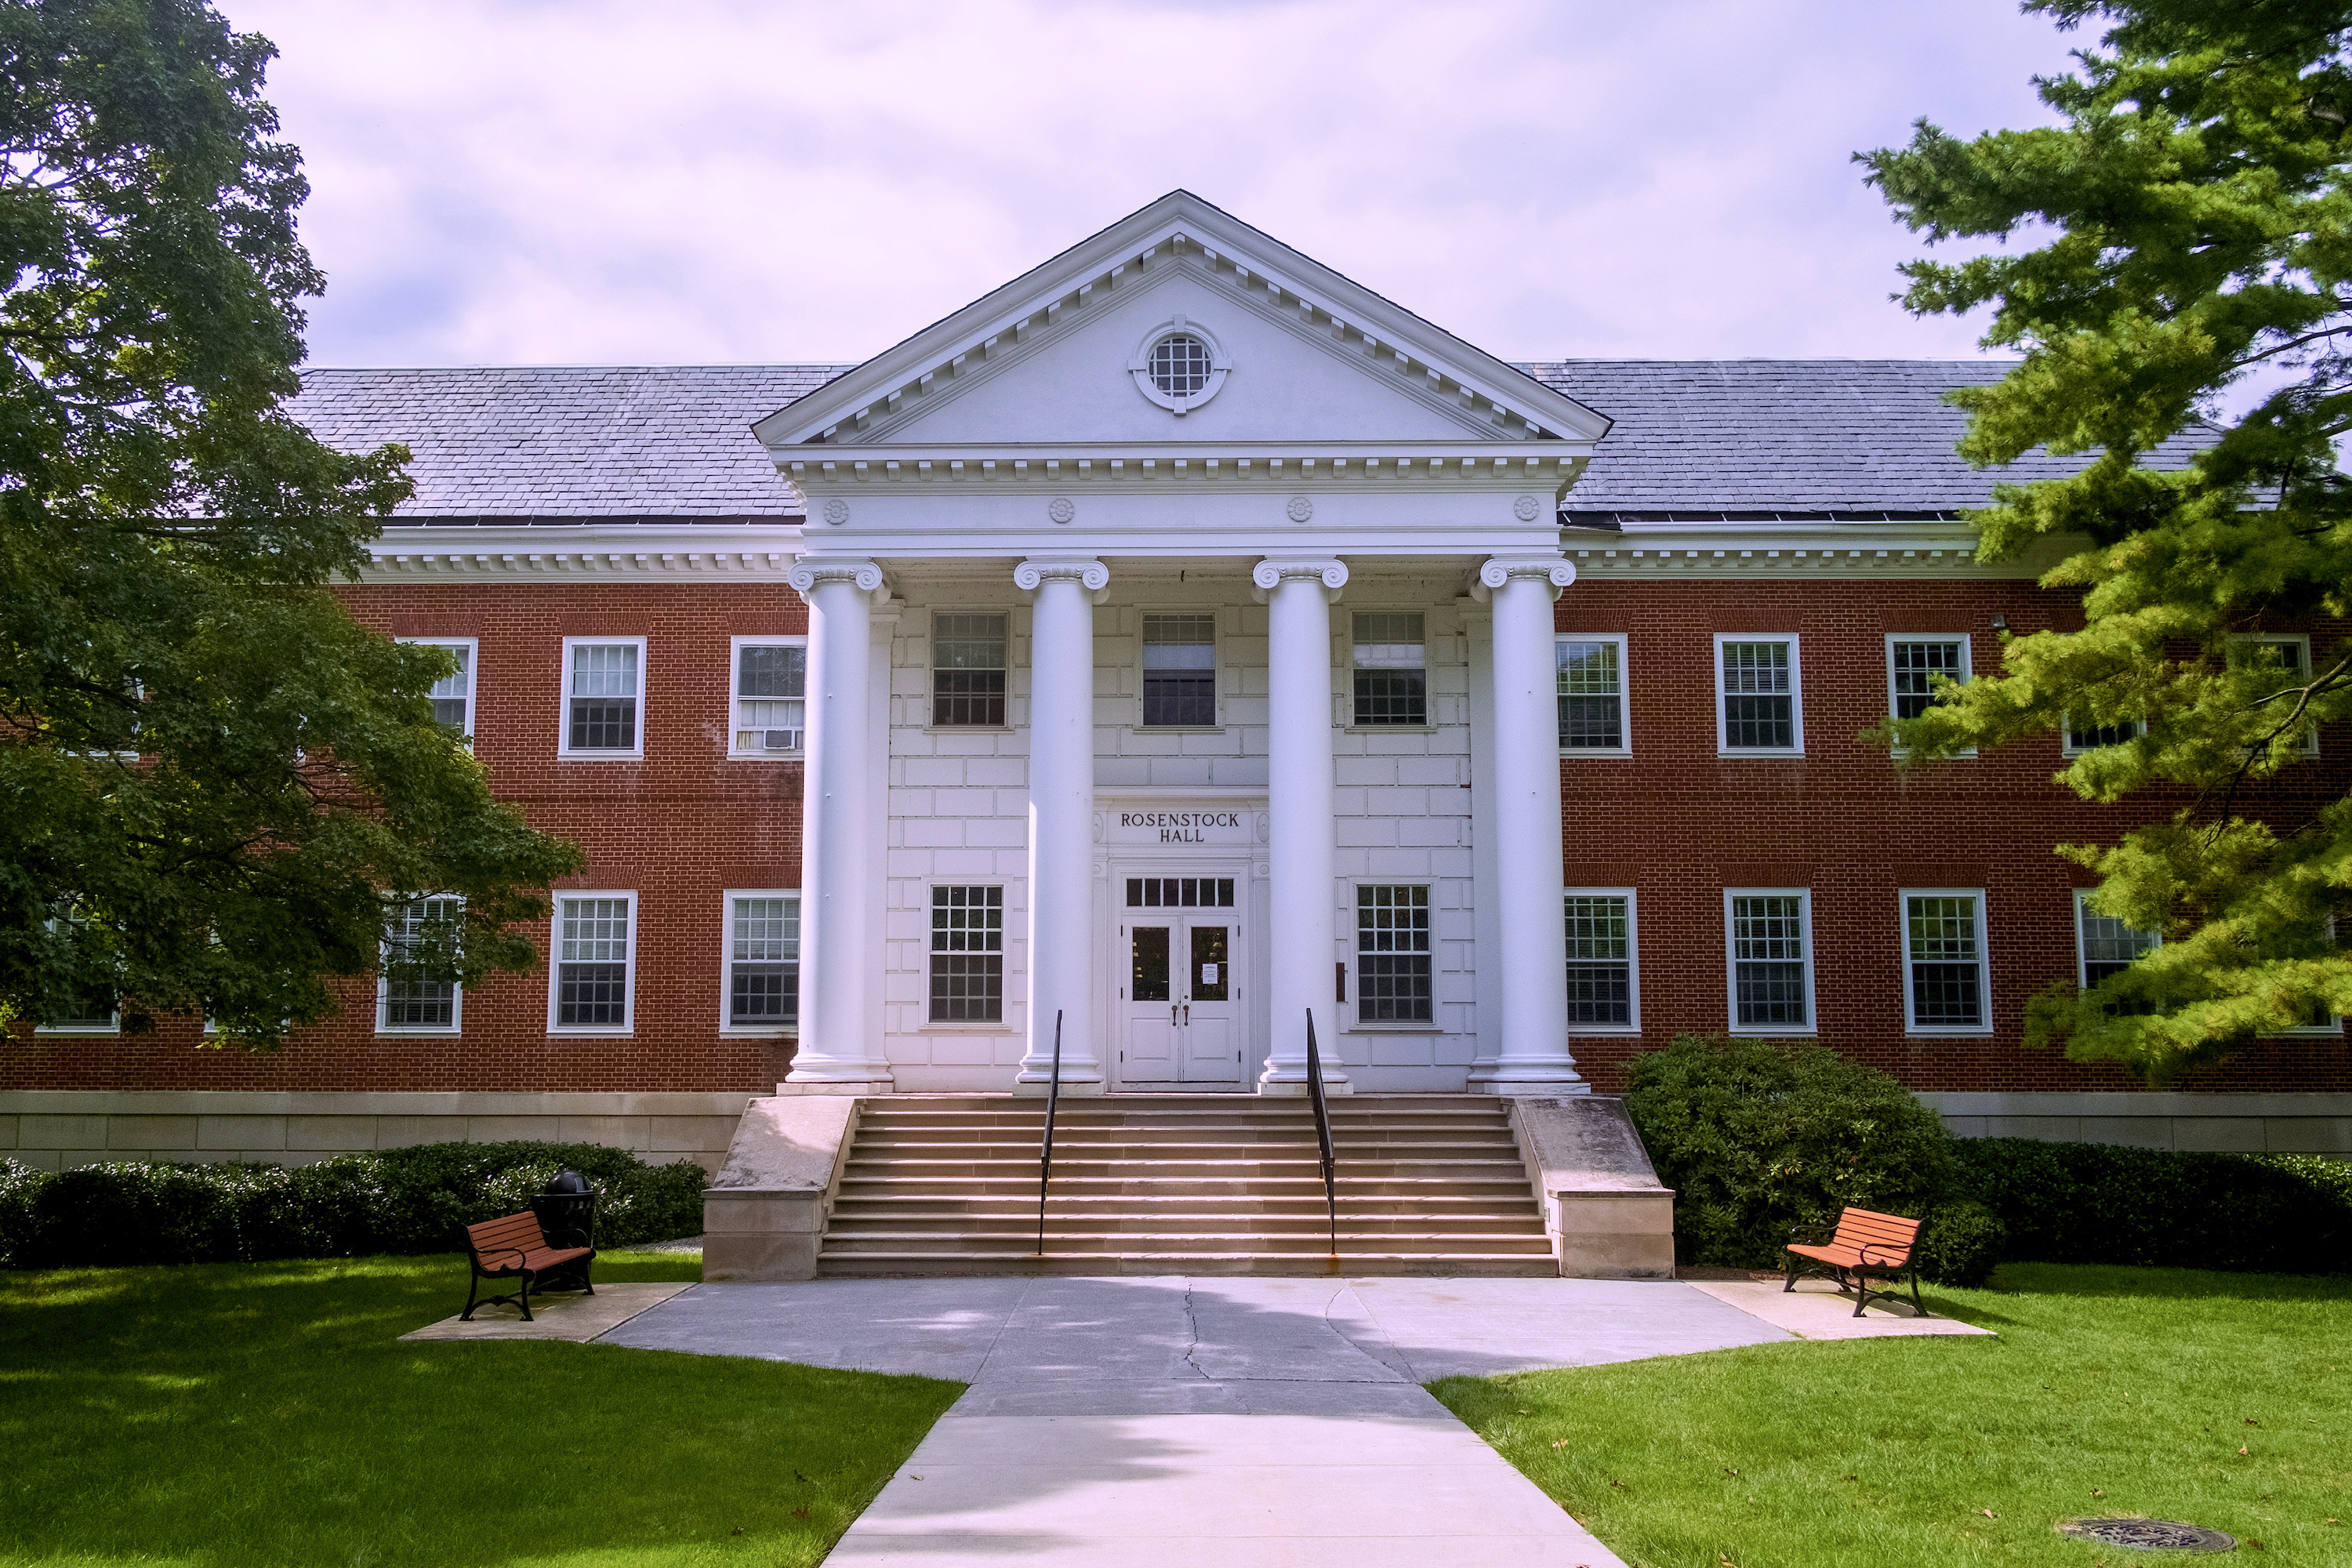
x=1934 y=549
x=1475 y=465
x=607 y=552
x=1180 y=229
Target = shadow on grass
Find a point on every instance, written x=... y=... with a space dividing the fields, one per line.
x=266 y=1414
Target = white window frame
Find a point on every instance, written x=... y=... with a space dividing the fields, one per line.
x=113 y=1025
x=1911 y=1024
x=383 y=991
x=1007 y=999
x=2310 y=747
x=1723 y=748
x=1435 y=1023
x=2066 y=747
x=635 y=753
x=1633 y=953
x=555 y=960
x=1968 y=668
x=931 y=684
x=1146 y=614
x=1624 y=694
x=2332 y=1029
x=1428 y=688
x=726 y=1025
x=473 y=649
x=1812 y=1024
x=735 y=647
x=2082 y=960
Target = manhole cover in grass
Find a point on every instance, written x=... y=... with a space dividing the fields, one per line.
x=2149 y=1534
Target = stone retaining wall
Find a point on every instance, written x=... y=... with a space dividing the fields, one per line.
x=2218 y=1123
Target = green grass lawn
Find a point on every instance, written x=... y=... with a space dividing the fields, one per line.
x=2217 y=1398
x=262 y=1413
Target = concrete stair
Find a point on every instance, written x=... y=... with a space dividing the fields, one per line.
x=1188 y=1183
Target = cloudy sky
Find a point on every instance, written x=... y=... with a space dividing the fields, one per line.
x=716 y=181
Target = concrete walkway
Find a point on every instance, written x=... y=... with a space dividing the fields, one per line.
x=1248 y=1423
x=562 y=1316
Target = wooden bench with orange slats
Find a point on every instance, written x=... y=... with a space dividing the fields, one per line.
x=512 y=1247
x=1864 y=1244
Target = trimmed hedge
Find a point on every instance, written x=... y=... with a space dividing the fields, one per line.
x=2098 y=1203
x=393 y=1200
x=1758 y=1138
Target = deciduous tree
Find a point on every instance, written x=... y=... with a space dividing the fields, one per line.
x=211 y=779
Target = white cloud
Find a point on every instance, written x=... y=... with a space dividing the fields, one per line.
x=601 y=181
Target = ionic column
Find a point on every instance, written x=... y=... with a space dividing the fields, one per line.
x=1299 y=595
x=1532 y=1055
x=839 y=1054
x=1061 y=819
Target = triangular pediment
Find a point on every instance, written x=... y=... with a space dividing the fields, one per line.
x=1058 y=356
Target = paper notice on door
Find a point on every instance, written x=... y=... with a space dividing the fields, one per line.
x=1208 y=975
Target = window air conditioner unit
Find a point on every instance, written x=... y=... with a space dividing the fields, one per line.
x=781 y=741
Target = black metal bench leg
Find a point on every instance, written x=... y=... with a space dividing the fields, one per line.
x=1791 y=1285
x=1916 y=1305
x=524 y=1300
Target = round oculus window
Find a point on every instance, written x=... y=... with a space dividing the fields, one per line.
x=1180 y=365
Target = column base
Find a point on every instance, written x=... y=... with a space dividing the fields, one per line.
x=1028 y=1087
x=837 y=1086
x=1548 y=1088
x=1296 y=1087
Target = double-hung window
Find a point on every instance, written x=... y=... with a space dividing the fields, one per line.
x=1914 y=665
x=2105 y=946
x=91 y=1009
x=601 y=691
x=967 y=666
x=762 y=992
x=1180 y=672
x=1944 y=980
x=1392 y=668
x=1759 y=698
x=1769 y=933
x=2291 y=658
x=591 y=982
x=1592 y=682
x=453 y=694
x=967 y=955
x=770 y=698
x=411 y=996
x=1602 y=989
x=1393 y=980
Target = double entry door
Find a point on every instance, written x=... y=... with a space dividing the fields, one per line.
x=1180 y=999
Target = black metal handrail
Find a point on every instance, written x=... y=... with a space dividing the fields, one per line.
x=1323 y=1132
x=1045 y=1159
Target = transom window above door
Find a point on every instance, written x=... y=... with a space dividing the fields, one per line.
x=1180 y=892
x=1180 y=672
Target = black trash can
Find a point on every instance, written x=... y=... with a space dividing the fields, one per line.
x=566 y=1208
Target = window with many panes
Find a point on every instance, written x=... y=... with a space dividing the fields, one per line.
x=1771 y=960
x=1180 y=672
x=2105 y=946
x=595 y=963
x=453 y=694
x=1600 y=979
x=763 y=960
x=2084 y=736
x=1756 y=695
x=968 y=667
x=967 y=955
x=412 y=993
x=1392 y=668
x=1394 y=984
x=1914 y=665
x=770 y=697
x=1944 y=961
x=2291 y=658
x=1591 y=683
x=90 y=1009
x=601 y=697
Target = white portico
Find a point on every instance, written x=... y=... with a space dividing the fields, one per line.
x=1181 y=666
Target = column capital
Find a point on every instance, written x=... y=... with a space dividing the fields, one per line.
x=1084 y=570
x=1275 y=569
x=810 y=571
x=1548 y=566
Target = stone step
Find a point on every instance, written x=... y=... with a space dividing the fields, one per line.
x=920 y=1264
x=1204 y=1165
x=1406 y=1244
x=925 y=1220
x=1350 y=1186
x=1008 y=1204
x=1366 y=1152
x=1188 y=1132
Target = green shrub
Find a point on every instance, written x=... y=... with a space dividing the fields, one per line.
x=2098 y=1202
x=1960 y=1243
x=1756 y=1137
x=393 y=1201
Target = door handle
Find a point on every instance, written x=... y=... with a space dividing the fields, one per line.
x=1188 y=1015
x=1172 y=1014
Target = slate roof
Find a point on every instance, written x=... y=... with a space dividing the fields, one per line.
x=566 y=443
x=1787 y=437
x=637 y=443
